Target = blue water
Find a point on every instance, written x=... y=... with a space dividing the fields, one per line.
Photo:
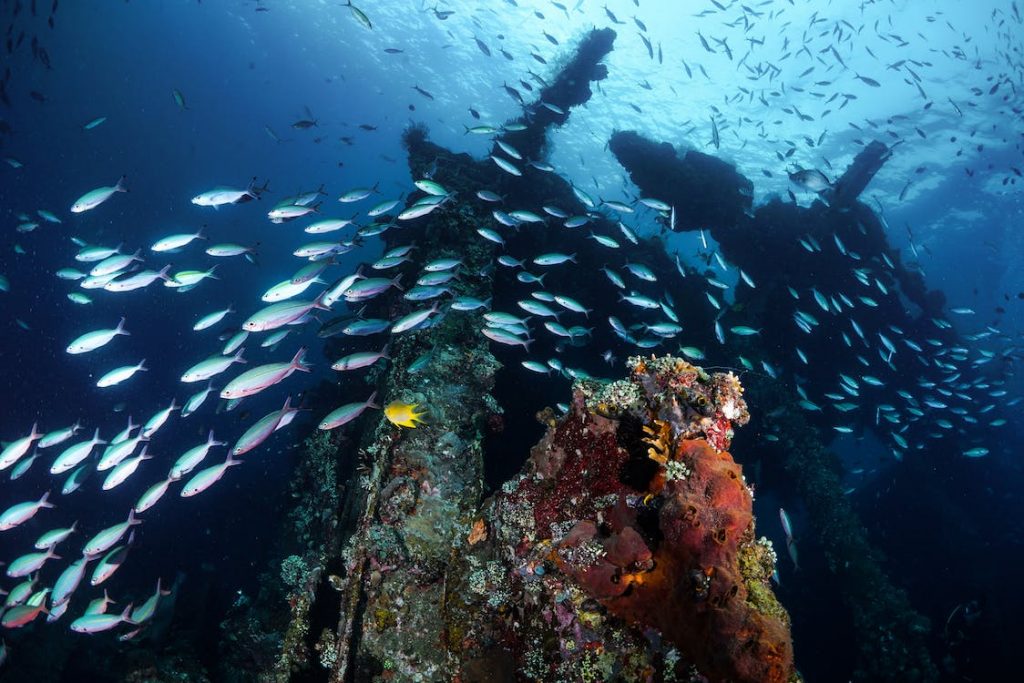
x=243 y=71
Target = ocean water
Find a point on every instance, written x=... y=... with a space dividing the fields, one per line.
x=197 y=95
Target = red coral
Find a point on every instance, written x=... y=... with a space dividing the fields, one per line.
x=579 y=460
x=694 y=592
x=670 y=559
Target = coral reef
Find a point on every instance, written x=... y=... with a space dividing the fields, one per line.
x=633 y=517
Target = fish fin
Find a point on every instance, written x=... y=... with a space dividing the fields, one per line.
x=120 y=327
x=127 y=613
x=121 y=185
x=371 y=402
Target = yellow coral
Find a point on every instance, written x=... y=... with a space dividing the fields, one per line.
x=659 y=439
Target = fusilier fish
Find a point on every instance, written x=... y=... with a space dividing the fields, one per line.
x=98 y=623
x=261 y=430
x=110 y=563
x=361 y=359
x=106 y=539
x=412 y=320
x=259 y=378
x=15 y=450
x=73 y=455
x=91 y=341
x=196 y=400
x=211 y=319
x=193 y=456
x=92 y=199
x=136 y=280
x=121 y=374
x=22 y=512
x=280 y=314
x=211 y=367
x=58 y=436
x=348 y=412
x=158 y=420
x=26 y=564
x=125 y=469
x=115 y=264
x=154 y=493
x=204 y=479
x=177 y=242
x=68 y=581
x=219 y=196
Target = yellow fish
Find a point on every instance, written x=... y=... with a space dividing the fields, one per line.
x=403 y=414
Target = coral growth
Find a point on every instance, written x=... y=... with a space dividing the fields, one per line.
x=639 y=514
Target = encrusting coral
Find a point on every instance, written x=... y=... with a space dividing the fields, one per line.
x=632 y=500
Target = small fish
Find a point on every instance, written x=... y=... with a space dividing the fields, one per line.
x=206 y=478
x=506 y=165
x=98 y=623
x=259 y=378
x=404 y=414
x=121 y=374
x=348 y=412
x=810 y=179
x=90 y=200
x=106 y=539
x=22 y=512
x=869 y=81
x=179 y=99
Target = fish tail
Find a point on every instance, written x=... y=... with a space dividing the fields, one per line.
x=121 y=185
x=120 y=328
x=44 y=502
x=127 y=613
x=297 y=360
x=371 y=402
